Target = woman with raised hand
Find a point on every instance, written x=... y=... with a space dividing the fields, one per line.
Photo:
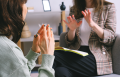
x=92 y=27
x=12 y=61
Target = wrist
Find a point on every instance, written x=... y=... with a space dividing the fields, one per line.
x=72 y=31
x=35 y=50
x=49 y=53
x=94 y=26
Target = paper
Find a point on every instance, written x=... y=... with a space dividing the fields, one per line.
x=74 y=51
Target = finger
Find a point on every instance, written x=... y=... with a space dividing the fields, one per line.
x=44 y=32
x=73 y=16
x=36 y=39
x=40 y=30
x=47 y=26
x=65 y=22
x=48 y=30
x=89 y=13
x=79 y=23
x=68 y=19
x=51 y=33
x=84 y=13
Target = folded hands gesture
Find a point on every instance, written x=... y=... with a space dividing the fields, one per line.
x=44 y=41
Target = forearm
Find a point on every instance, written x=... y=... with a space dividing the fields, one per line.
x=99 y=31
x=46 y=69
x=71 y=35
x=31 y=57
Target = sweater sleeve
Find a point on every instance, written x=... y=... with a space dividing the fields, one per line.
x=46 y=69
x=32 y=57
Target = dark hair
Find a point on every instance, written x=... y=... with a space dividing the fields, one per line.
x=11 y=20
x=80 y=5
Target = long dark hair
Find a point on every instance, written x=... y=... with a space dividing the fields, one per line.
x=11 y=20
x=80 y=5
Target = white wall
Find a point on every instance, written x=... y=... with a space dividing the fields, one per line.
x=55 y=5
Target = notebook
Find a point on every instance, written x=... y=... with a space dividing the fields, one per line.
x=73 y=51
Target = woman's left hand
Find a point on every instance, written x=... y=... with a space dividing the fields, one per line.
x=88 y=18
x=92 y=24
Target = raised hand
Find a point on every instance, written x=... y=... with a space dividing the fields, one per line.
x=72 y=23
x=88 y=18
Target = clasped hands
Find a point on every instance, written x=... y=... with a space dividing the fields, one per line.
x=73 y=24
x=44 y=41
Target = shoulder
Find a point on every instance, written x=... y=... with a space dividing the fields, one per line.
x=6 y=44
x=11 y=51
x=3 y=43
x=109 y=5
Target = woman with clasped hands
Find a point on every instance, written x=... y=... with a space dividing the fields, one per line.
x=12 y=61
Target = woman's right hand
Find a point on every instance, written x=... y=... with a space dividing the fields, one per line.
x=47 y=44
x=72 y=23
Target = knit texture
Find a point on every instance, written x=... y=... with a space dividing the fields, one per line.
x=14 y=64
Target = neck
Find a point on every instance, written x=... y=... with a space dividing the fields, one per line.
x=89 y=4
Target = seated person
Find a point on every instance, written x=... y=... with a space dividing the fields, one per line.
x=12 y=61
x=92 y=27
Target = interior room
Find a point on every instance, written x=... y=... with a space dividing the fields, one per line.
x=37 y=15
x=49 y=12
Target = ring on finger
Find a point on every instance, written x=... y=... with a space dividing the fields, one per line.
x=35 y=35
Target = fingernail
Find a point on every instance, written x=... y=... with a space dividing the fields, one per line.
x=51 y=29
x=44 y=25
x=48 y=26
x=36 y=35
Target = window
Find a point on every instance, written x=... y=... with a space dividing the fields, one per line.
x=46 y=5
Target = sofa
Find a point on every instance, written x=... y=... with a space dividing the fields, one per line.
x=115 y=55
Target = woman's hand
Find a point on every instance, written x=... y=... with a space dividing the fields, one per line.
x=88 y=18
x=35 y=45
x=92 y=24
x=36 y=41
x=47 y=43
x=72 y=23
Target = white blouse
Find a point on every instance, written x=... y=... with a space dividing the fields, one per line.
x=85 y=29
